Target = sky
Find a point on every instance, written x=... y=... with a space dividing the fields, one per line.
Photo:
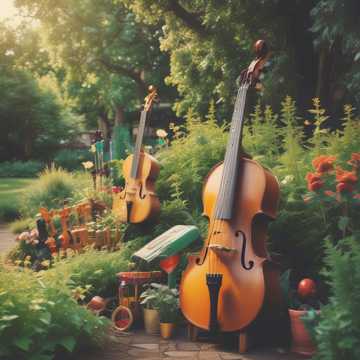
x=7 y=9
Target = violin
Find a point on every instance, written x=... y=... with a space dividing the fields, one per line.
x=138 y=201
x=229 y=278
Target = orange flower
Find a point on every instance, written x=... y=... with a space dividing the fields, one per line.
x=355 y=160
x=343 y=186
x=345 y=176
x=314 y=181
x=323 y=163
x=329 y=193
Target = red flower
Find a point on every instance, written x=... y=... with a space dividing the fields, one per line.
x=329 y=193
x=356 y=197
x=323 y=163
x=343 y=186
x=345 y=176
x=314 y=181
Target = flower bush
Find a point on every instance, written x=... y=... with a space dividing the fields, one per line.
x=336 y=190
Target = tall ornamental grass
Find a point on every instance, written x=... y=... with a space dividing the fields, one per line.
x=53 y=186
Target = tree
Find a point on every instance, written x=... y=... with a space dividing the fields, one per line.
x=32 y=119
x=209 y=43
x=106 y=57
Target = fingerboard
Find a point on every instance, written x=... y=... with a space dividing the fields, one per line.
x=225 y=200
x=138 y=145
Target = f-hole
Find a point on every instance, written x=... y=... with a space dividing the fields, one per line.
x=250 y=264
x=141 y=195
x=122 y=197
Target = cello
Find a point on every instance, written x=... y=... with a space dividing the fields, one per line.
x=232 y=276
x=138 y=201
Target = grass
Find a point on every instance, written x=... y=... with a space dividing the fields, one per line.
x=10 y=190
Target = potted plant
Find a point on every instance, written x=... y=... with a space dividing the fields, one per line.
x=303 y=307
x=149 y=298
x=168 y=303
x=161 y=309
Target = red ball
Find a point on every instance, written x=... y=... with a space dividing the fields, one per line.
x=306 y=288
x=96 y=303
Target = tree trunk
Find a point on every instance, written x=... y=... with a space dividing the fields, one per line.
x=104 y=125
x=119 y=115
x=28 y=144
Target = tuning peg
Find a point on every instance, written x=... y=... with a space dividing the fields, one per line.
x=151 y=88
x=260 y=48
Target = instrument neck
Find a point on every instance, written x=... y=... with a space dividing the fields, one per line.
x=225 y=200
x=138 y=145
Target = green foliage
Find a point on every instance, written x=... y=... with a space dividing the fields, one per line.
x=95 y=268
x=262 y=136
x=71 y=159
x=51 y=189
x=10 y=193
x=347 y=141
x=338 y=332
x=195 y=149
x=293 y=154
x=113 y=61
x=22 y=224
x=165 y=300
x=335 y=28
x=319 y=139
x=20 y=169
x=39 y=318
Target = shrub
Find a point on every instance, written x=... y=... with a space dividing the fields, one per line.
x=9 y=210
x=20 y=169
x=338 y=332
x=196 y=148
x=40 y=318
x=95 y=268
x=72 y=159
x=51 y=189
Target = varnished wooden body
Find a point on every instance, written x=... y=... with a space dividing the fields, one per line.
x=139 y=192
x=242 y=292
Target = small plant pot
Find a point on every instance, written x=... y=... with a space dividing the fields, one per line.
x=301 y=340
x=151 y=321
x=166 y=330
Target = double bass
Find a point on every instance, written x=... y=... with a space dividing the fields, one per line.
x=229 y=278
x=138 y=201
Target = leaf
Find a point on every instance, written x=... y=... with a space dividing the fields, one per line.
x=45 y=318
x=343 y=223
x=68 y=343
x=22 y=343
x=8 y=317
x=357 y=56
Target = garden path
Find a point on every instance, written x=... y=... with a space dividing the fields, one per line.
x=6 y=239
x=138 y=345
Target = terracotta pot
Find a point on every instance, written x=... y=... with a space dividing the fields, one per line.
x=97 y=303
x=166 y=330
x=301 y=340
x=151 y=321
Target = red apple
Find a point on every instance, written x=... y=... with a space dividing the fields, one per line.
x=306 y=288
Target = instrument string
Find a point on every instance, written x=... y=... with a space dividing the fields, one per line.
x=229 y=170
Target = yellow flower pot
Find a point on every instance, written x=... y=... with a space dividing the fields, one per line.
x=151 y=321
x=166 y=330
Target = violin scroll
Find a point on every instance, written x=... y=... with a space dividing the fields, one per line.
x=251 y=75
x=151 y=98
